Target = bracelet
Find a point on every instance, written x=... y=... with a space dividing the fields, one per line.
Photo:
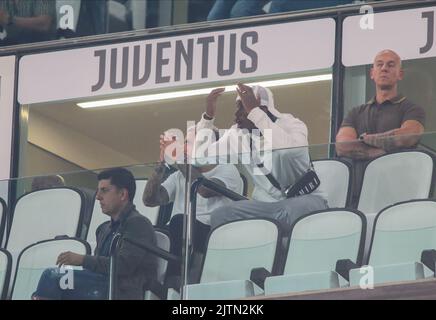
x=207 y=117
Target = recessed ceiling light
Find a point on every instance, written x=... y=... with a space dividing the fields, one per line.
x=196 y=92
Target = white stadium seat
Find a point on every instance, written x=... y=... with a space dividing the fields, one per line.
x=34 y=259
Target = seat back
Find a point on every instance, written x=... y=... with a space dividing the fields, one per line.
x=395 y=177
x=45 y=214
x=5 y=272
x=152 y=213
x=163 y=242
x=235 y=248
x=318 y=240
x=334 y=175
x=34 y=259
x=402 y=232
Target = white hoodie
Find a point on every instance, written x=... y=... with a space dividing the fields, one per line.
x=290 y=157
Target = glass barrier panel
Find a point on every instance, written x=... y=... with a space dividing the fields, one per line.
x=81 y=212
x=240 y=246
x=227 y=243
x=277 y=245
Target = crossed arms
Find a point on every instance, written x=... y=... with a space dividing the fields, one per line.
x=369 y=146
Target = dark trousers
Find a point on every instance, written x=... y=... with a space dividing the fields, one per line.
x=86 y=285
x=200 y=234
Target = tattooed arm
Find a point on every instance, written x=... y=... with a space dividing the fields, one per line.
x=406 y=136
x=348 y=145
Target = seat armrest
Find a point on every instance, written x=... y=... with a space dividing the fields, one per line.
x=258 y=276
x=343 y=268
x=159 y=290
x=428 y=258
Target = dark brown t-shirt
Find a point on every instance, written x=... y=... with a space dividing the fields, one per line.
x=376 y=118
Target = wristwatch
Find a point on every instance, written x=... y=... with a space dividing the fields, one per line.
x=207 y=117
x=163 y=167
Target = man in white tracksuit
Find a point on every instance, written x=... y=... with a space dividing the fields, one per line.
x=286 y=138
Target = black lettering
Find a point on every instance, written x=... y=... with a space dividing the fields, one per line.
x=232 y=55
x=137 y=79
x=249 y=52
x=187 y=57
x=205 y=55
x=101 y=69
x=124 y=69
x=160 y=62
x=430 y=31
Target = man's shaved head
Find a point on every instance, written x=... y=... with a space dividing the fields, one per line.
x=388 y=51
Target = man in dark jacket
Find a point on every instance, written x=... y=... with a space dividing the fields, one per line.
x=136 y=268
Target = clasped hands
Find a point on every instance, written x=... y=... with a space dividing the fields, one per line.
x=248 y=99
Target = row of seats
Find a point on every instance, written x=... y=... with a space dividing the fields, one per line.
x=247 y=258
x=49 y=213
x=19 y=281
x=62 y=211
x=314 y=244
x=388 y=180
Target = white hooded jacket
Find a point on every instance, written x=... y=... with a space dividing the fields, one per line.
x=290 y=157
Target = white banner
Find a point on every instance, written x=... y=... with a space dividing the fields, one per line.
x=7 y=79
x=410 y=33
x=177 y=61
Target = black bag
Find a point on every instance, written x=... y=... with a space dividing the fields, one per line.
x=305 y=185
x=308 y=183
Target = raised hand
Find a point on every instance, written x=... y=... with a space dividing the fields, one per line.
x=163 y=145
x=249 y=100
x=211 y=101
